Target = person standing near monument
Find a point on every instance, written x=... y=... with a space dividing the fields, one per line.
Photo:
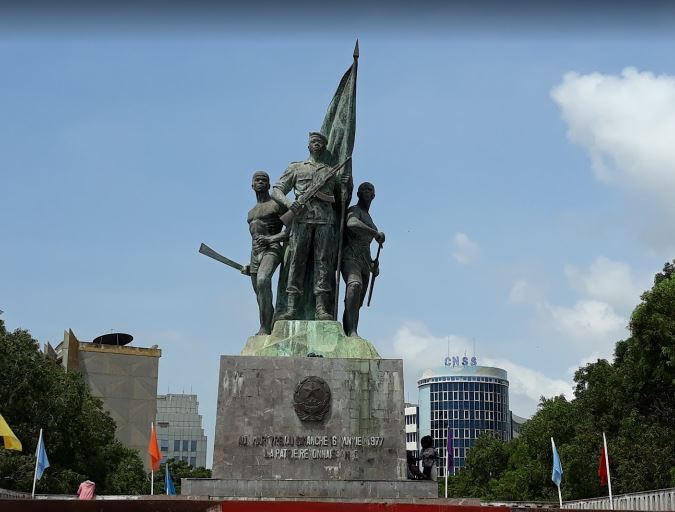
x=314 y=232
x=357 y=263
x=265 y=227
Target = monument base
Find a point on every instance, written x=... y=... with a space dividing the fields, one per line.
x=298 y=338
x=342 y=490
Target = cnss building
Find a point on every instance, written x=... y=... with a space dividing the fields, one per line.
x=470 y=399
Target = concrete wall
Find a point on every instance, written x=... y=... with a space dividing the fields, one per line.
x=259 y=435
x=125 y=379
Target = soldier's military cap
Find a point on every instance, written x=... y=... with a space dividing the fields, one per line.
x=320 y=135
x=261 y=173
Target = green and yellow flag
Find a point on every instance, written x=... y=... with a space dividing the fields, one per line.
x=11 y=441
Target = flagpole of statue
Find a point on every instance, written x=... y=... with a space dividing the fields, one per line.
x=609 y=477
x=339 y=127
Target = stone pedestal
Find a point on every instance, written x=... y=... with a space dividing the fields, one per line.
x=309 y=427
x=297 y=338
x=308 y=412
x=260 y=433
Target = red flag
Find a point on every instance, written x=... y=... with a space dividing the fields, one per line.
x=602 y=467
x=153 y=449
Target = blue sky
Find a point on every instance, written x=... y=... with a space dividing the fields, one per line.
x=521 y=158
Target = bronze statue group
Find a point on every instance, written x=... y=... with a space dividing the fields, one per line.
x=314 y=239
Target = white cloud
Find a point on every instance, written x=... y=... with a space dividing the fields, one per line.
x=609 y=281
x=591 y=324
x=529 y=382
x=420 y=350
x=466 y=250
x=627 y=124
x=524 y=292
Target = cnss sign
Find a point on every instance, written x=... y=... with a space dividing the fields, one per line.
x=460 y=361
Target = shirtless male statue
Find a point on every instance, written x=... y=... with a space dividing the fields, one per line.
x=265 y=227
x=357 y=263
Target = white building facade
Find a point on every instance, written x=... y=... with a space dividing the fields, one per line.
x=179 y=429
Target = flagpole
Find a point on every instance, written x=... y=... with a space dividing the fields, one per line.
x=554 y=467
x=609 y=478
x=37 y=461
x=447 y=467
x=152 y=471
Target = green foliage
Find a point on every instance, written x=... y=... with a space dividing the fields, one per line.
x=632 y=400
x=178 y=469
x=35 y=392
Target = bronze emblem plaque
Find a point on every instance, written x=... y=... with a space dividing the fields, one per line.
x=311 y=399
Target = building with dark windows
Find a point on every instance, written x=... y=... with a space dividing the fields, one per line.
x=179 y=429
x=470 y=399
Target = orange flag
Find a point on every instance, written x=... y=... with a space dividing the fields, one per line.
x=153 y=449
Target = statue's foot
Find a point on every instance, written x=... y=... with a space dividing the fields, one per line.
x=263 y=332
x=322 y=314
x=322 y=307
x=287 y=315
x=353 y=334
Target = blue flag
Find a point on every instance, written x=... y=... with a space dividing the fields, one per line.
x=556 y=474
x=41 y=456
x=168 y=483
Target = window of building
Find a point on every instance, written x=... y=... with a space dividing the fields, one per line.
x=186 y=445
x=193 y=460
x=193 y=445
x=466 y=433
x=164 y=445
x=176 y=445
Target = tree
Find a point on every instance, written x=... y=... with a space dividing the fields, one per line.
x=35 y=392
x=631 y=399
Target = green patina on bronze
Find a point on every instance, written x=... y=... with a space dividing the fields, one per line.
x=298 y=338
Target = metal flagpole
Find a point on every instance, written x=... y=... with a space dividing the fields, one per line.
x=609 y=478
x=559 y=497
x=152 y=471
x=37 y=461
x=447 y=467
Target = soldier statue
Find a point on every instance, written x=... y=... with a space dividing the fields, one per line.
x=357 y=263
x=265 y=227
x=314 y=231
